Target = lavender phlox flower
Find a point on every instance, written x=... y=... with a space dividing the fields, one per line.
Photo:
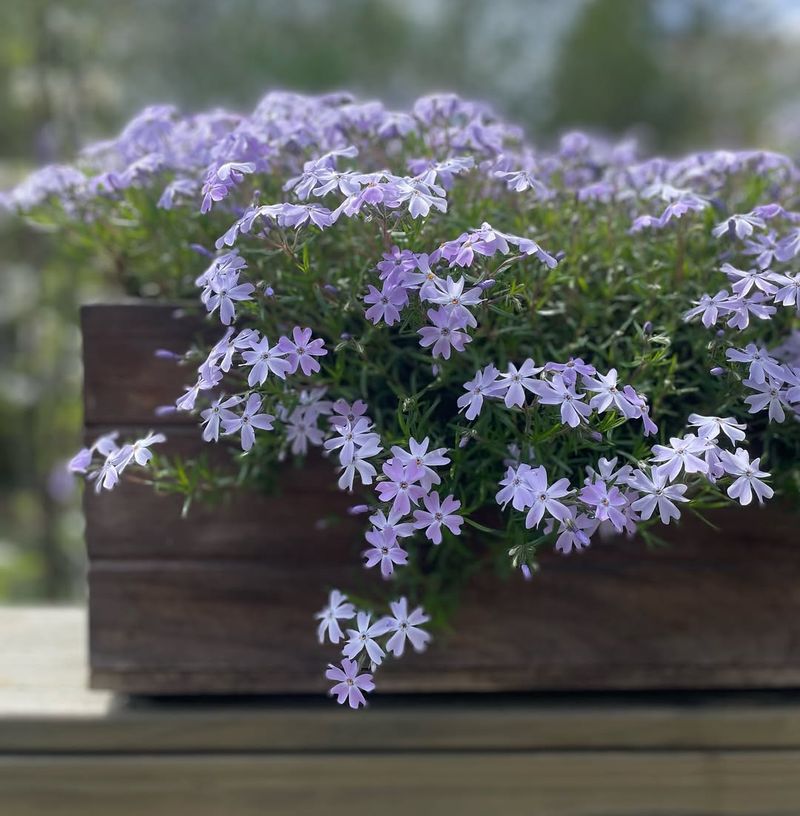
x=748 y=477
x=359 y=463
x=215 y=414
x=105 y=445
x=338 y=608
x=571 y=369
x=788 y=246
x=406 y=625
x=402 y=486
x=658 y=495
x=298 y=215
x=740 y=310
x=225 y=289
x=363 y=638
x=438 y=514
x=395 y=263
x=516 y=488
x=545 y=497
x=606 y=503
x=419 y=455
x=419 y=196
x=344 y=412
x=349 y=684
x=209 y=376
x=609 y=394
x=220 y=179
x=425 y=278
x=739 y=226
x=561 y=393
x=446 y=333
x=179 y=187
x=452 y=296
x=302 y=430
x=515 y=381
x=759 y=361
x=301 y=351
x=769 y=395
x=392 y=523
x=386 y=303
x=384 y=550
x=350 y=437
x=265 y=360
x=575 y=531
x=442 y=171
x=522 y=180
x=607 y=471
x=762 y=247
x=787 y=289
x=711 y=426
x=743 y=280
x=247 y=421
x=682 y=454
x=316 y=169
x=483 y=384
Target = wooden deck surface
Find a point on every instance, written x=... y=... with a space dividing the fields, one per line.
x=67 y=750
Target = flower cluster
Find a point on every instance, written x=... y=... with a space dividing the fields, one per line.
x=457 y=322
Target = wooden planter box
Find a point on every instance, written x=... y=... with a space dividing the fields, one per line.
x=222 y=602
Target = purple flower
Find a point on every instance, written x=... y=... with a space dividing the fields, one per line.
x=212 y=417
x=769 y=395
x=438 y=514
x=545 y=498
x=788 y=292
x=350 y=685
x=384 y=551
x=710 y=427
x=451 y=294
x=605 y=502
x=739 y=226
x=362 y=639
x=351 y=437
x=387 y=303
x=748 y=475
x=401 y=488
x=405 y=626
x=344 y=412
x=515 y=488
x=658 y=495
x=225 y=289
x=392 y=523
x=575 y=531
x=682 y=454
x=265 y=360
x=337 y=609
x=359 y=463
x=483 y=384
x=301 y=350
x=609 y=395
x=419 y=454
x=249 y=419
x=516 y=381
x=558 y=392
x=446 y=333
x=761 y=364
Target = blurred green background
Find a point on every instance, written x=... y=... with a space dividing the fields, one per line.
x=678 y=74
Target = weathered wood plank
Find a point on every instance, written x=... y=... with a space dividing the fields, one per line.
x=616 y=617
x=124 y=382
x=573 y=784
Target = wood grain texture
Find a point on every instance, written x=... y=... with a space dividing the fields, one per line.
x=530 y=784
x=222 y=602
x=69 y=751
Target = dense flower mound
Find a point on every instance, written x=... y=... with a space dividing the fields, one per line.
x=585 y=340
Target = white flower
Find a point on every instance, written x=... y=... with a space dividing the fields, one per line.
x=749 y=477
x=710 y=427
x=659 y=495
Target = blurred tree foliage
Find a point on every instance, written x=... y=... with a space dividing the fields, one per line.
x=693 y=71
